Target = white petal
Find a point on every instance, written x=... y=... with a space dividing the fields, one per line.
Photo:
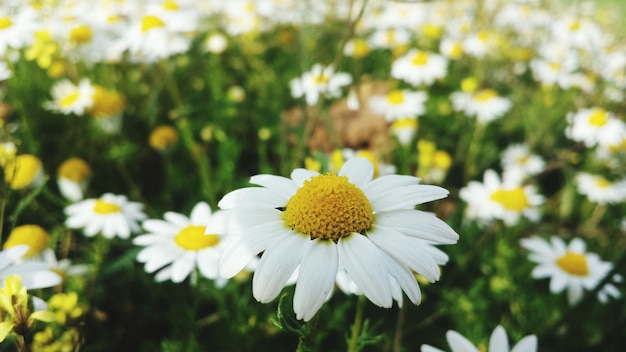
x=381 y=185
x=407 y=250
x=407 y=197
x=253 y=196
x=283 y=185
x=301 y=175
x=208 y=263
x=359 y=171
x=200 y=214
x=574 y=292
x=558 y=282
x=498 y=342
x=404 y=277
x=160 y=227
x=177 y=219
x=40 y=279
x=147 y=240
x=276 y=266
x=428 y=348
x=164 y=274
x=316 y=277
x=182 y=267
x=418 y=224
x=576 y=245
x=365 y=265
x=10 y=255
x=527 y=344
x=237 y=221
x=459 y=343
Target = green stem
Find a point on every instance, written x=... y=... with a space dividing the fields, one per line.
x=356 y=326
x=397 y=338
x=307 y=339
x=473 y=151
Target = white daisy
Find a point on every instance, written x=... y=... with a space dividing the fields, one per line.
x=506 y=200
x=34 y=274
x=399 y=103
x=600 y=190
x=404 y=129
x=323 y=222
x=568 y=266
x=17 y=30
x=479 y=44
x=111 y=215
x=518 y=162
x=498 y=342
x=485 y=104
x=71 y=99
x=595 y=126
x=419 y=67
x=72 y=178
x=389 y=38
x=177 y=245
x=320 y=81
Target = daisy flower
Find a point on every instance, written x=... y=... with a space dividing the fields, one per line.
x=600 y=190
x=568 y=266
x=389 y=38
x=479 y=44
x=111 y=215
x=419 y=67
x=498 y=342
x=17 y=30
x=177 y=245
x=72 y=178
x=518 y=162
x=320 y=81
x=71 y=99
x=398 y=104
x=404 y=129
x=506 y=200
x=24 y=171
x=485 y=104
x=34 y=274
x=34 y=236
x=320 y=223
x=595 y=126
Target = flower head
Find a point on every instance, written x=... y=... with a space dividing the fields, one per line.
x=568 y=266
x=498 y=342
x=320 y=81
x=419 y=67
x=73 y=177
x=69 y=98
x=321 y=222
x=34 y=236
x=24 y=171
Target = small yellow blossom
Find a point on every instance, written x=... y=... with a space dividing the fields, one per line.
x=25 y=170
x=163 y=137
x=34 y=236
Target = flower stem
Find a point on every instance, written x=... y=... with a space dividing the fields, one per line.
x=397 y=338
x=307 y=339
x=356 y=326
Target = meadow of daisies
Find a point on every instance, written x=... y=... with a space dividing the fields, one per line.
x=352 y=175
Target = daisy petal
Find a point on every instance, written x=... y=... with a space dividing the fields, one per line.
x=278 y=184
x=358 y=170
x=498 y=342
x=459 y=343
x=418 y=224
x=527 y=344
x=301 y=175
x=253 y=196
x=182 y=267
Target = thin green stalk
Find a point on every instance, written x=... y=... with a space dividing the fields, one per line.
x=356 y=326
x=397 y=338
x=473 y=151
x=306 y=343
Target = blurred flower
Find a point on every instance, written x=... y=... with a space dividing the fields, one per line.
x=34 y=236
x=43 y=49
x=404 y=129
x=595 y=126
x=73 y=177
x=14 y=309
x=24 y=171
x=451 y=48
x=320 y=81
x=17 y=30
x=63 y=267
x=479 y=44
x=295 y=223
x=389 y=38
x=71 y=99
x=568 y=266
x=178 y=245
x=163 y=137
x=111 y=215
x=216 y=43
x=33 y=274
x=419 y=67
x=506 y=200
x=498 y=342
x=609 y=290
x=399 y=104
x=46 y=341
x=485 y=104
x=357 y=48
x=433 y=164
x=236 y=94
x=8 y=150
x=65 y=307
x=107 y=108
x=600 y=190
x=518 y=162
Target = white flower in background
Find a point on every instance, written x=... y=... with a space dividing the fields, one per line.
x=580 y=33
x=69 y=98
x=518 y=162
x=320 y=81
x=479 y=44
x=296 y=222
x=34 y=274
x=451 y=48
x=357 y=48
x=178 y=245
x=498 y=342
x=389 y=38
x=485 y=104
x=216 y=43
x=595 y=126
x=404 y=129
x=419 y=67
x=111 y=215
x=63 y=266
x=72 y=178
x=570 y=267
x=609 y=290
x=559 y=73
x=399 y=104
x=17 y=30
x=598 y=189
x=506 y=200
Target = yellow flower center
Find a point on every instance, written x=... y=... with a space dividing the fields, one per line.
x=420 y=58
x=5 y=22
x=456 y=51
x=409 y=123
x=598 y=117
x=511 y=199
x=81 y=34
x=485 y=95
x=483 y=36
x=442 y=160
x=469 y=84
x=74 y=169
x=163 y=137
x=390 y=36
x=360 y=48
x=32 y=235
x=522 y=160
x=22 y=171
x=192 y=238
x=329 y=207
x=602 y=182
x=574 y=26
x=320 y=79
x=150 y=22
x=555 y=66
x=103 y=207
x=170 y=5
x=69 y=99
x=573 y=263
x=395 y=97
x=106 y=103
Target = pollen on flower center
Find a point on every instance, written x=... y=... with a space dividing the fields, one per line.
x=329 y=207
x=69 y=99
x=602 y=182
x=150 y=22
x=5 y=22
x=395 y=97
x=512 y=199
x=81 y=34
x=103 y=207
x=420 y=59
x=598 y=118
x=193 y=238
x=573 y=263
